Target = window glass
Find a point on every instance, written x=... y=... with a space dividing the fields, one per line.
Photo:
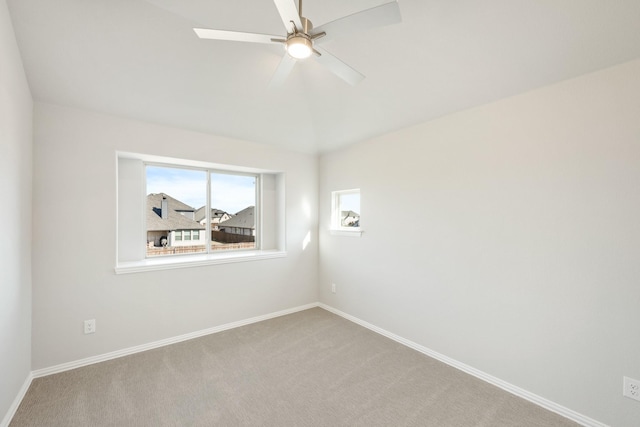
x=346 y=209
x=173 y=196
x=350 y=210
x=177 y=203
x=233 y=211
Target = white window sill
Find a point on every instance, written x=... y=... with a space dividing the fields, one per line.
x=346 y=232
x=184 y=261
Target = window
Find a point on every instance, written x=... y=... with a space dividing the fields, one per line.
x=178 y=203
x=177 y=212
x=345 y=215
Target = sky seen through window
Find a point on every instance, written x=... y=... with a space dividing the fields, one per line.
x=230 y=193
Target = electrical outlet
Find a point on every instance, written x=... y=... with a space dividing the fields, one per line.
x=333 y=288
x=89 y=326
x=631 y=388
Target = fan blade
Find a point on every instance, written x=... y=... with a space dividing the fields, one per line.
x=338 y=67
x=282 y=72
x=388 y=13
x=236 y=36
x=289 y=12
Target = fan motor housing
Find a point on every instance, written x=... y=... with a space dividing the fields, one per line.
x=299 y=44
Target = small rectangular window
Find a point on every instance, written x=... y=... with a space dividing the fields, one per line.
x=346 y=210
x=178 y=235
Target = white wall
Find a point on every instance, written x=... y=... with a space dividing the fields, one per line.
x=75 y=229
x=15 y=216
x=520 y=254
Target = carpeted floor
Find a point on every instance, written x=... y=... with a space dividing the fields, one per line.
x=311 y=368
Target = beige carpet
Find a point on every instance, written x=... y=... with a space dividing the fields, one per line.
x=311 y=368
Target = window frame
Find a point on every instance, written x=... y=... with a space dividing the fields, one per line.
x=187 y=235
x=336 y=227
x=130 y=257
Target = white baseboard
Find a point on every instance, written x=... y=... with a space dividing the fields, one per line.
x=139 y=348
x=517 y=391
x=16 y=402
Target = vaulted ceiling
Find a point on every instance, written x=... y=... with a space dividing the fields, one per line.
x=141 y=59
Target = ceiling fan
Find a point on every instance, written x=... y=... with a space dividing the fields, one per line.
x=301 y=39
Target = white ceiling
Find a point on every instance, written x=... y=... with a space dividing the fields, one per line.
x=141 y=59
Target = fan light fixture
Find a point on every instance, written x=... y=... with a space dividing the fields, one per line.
x=300 y=41
x=299 y=46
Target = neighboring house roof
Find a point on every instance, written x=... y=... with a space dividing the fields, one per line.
x=350 y=219
x=215 y=213
x=350 y=214
x=243 y=219
x=175 y=220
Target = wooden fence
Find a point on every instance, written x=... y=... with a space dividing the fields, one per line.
x=177 y=250
x=222 y=237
